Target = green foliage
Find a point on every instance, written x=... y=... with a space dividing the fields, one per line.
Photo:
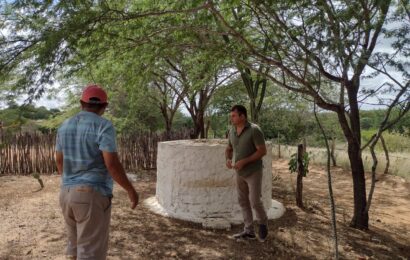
x=293 y=163
x=16 y=117
x=140 y=116
x=224 y=98
x=54 y=122
x=182 y=121
x=286 y=116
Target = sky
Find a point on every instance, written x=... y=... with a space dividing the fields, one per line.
x=56 y=102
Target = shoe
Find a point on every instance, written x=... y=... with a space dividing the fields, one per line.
x=246 y=235
x=263 y=233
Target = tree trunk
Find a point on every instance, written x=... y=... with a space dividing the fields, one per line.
x=360 y=218
x=299 y=181
x=197 y=132
x=168 y=127
x=208 y=125
x=374 y=167
x=254 y=113
x=332 y=151
x=199 y=126
x=168 y=121
x=386 y=153
x=256 y=90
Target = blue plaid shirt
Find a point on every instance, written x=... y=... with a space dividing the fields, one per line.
x=81 y=139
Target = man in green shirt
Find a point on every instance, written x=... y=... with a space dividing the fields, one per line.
x=244 y=153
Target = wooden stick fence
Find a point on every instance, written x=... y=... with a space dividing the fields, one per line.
x=139 y=151
x=28 y=153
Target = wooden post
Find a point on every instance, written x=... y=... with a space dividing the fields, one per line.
x=299 y=181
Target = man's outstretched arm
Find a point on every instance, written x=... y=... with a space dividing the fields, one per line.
x=59 y=161
x=228 y=156
x=117 y=172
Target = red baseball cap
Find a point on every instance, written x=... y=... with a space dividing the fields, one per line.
x=94 y=94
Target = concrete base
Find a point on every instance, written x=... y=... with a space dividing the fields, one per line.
x=275 y=211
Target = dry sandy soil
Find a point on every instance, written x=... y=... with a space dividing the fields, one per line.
x=31 y=226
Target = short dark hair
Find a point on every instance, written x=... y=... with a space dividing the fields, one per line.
x=240 y=109
x=93 y=106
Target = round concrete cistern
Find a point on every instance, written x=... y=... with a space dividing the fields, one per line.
x=193 y=184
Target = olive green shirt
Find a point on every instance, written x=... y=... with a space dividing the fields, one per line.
x=244 y=146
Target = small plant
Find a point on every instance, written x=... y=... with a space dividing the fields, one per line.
x=299 y=163
x=293 y=163
x=37 y=176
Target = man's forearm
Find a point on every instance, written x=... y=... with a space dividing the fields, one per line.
x=59 y=162
x=118 y=174
x=255 y=156
x=228 y=154
x=60 y=168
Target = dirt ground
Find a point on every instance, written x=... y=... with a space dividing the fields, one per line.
x=31 y=225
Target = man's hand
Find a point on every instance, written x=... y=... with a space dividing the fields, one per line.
x=260 y=152
x=133 y=196
x=229 y=163
x=239 y=165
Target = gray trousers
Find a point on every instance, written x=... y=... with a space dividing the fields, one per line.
x=87 y=216
x=250 y=197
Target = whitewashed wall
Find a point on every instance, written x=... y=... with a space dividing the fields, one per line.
x=194 y=184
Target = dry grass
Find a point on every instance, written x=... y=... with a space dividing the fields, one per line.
x=399 y=162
